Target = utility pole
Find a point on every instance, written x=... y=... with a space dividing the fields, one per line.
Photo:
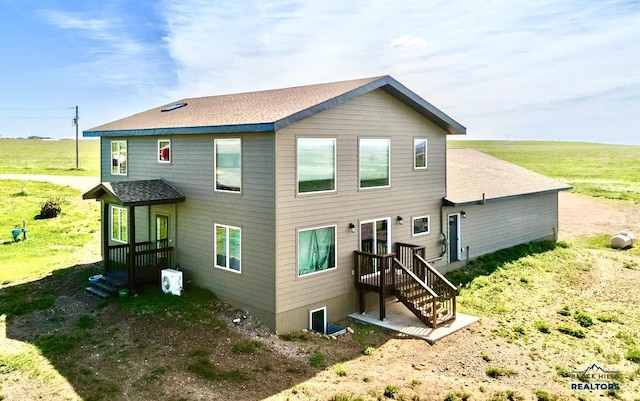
x=75 y=123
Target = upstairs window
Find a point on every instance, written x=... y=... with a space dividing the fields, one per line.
x=374 y=163
x=228 y=164
x=119 y=157
x=164 y=151
x=316 y=165
x=227 y=247
x=420 y=153
x=119 y=229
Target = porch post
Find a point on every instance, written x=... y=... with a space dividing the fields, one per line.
x=132 y=248
x=383 y=286
x=105 y=237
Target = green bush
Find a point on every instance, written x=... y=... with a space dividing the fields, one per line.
x=317 y=360
x=583 y=319
x=571 y=331
x=633 y=354
x=246 y=346
x=542 y=326
x=495 y=372
x=565 y=311
x=51 y=208
x=390 y=391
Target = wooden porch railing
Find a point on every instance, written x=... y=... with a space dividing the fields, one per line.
x=417 y=284
x=446 y=291
x=415 y=294
x=148 y=260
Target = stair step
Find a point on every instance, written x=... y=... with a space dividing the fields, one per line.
x=114 y=282
x=97 y=292
x=105 y=287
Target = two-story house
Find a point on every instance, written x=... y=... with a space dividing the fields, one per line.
x=288 y=203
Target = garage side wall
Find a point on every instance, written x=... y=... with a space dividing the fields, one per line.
x=505 y=223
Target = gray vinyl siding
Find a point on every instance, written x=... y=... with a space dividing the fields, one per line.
x=412 y=192
x=192 y=172
x=502 y=224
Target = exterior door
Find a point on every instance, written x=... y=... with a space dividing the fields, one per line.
x=162 y=231
x=375 y=236
x=454 y=238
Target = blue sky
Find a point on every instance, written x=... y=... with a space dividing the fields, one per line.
x=549 y=69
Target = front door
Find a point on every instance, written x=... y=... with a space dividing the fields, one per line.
x=162 y=231
x=454 y=238
x=375 y=236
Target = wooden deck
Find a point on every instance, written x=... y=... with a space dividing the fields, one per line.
x=143 y=267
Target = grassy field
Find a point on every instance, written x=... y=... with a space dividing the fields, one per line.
x=607 y=171
x=51 y=243
x=35 y=156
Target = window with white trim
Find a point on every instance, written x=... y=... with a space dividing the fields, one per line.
x=421 y=225
x=420 y=153
x=119 y=220
x=228 y=164
x=316 y=165
x=316 y=250
x=228 y=247
x=374 y=161
x=119 y=157
x=164 y=151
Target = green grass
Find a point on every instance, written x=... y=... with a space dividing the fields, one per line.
x=35 y=156
x=606 y=171
x=50 y=243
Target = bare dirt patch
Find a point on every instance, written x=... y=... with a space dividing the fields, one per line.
x=128 y=356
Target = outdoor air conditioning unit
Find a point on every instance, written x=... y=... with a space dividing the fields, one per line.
x=171 y=281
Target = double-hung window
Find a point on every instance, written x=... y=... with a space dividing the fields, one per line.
x=228 y=164
x=316 y=250
x=228 y=247
x=119 y=157
x=420 y=153
x=164 y=151
x=119 y=224
x=374 y=161
x=316 y=165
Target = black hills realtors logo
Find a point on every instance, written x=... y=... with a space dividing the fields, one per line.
x=596 y=378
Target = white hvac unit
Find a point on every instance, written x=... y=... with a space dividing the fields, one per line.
x=171 y=281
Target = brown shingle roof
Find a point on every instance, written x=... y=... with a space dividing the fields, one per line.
x=136 y=193
x=473 y=176
x=263 y=110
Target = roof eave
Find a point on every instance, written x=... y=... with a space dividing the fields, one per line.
x=211 y=129
x=453 y=203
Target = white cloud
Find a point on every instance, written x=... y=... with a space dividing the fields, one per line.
x=408 y=41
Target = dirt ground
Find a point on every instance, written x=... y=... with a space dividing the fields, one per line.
x=144 y=360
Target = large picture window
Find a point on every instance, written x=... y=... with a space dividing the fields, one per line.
x=227 y=247
x=374 y=163
x=164 y=151
x=119 y=220
x=316 y=250
x=119 y=157
x=228 y=161
x=316 y=165
x=420 y=153
x=421 y=225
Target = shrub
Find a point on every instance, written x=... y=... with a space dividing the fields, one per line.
x=246 y=346
x=486 y=357
x=563 y=372
x=495 y=372
x=340 y=370
x=608 y=318
x=583 y=319
x=565 y=311
x=51 y=208
x=369 y=350
x=519 y=329
x=633 y=354
x=317 y=360
x=542 y=326
x=390 y=391
x=571 y=331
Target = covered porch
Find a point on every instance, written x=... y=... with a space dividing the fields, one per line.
x=134 y=247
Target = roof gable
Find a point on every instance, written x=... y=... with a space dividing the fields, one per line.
x=264 y=111
x=136 y=193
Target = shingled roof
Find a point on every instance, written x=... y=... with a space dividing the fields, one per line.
x=474 y=177
x=263 y=111
x=136 y=193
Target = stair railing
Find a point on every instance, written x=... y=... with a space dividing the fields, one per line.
x=410 y=290
x=446 y=291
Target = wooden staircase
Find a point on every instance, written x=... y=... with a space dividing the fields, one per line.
x=106 y=286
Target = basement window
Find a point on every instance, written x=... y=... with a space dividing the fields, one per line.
x=173 y=107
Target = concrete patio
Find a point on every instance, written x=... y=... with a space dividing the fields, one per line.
x=400 y=319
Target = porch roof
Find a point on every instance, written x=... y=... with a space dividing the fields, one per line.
x=135 y=193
